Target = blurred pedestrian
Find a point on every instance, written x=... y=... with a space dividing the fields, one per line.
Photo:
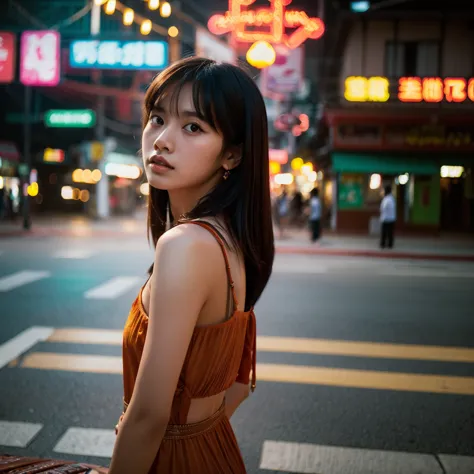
x=282 y=211
x=297 y=203
x=315 y=215
x=388 y=217
x=2 y=202
x=192 y=327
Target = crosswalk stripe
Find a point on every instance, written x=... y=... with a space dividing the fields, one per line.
x=86 y=442
x=73 y=362
x=113 y=288
x=300 y=374
x=302 y=345
x=297 y=345
x=453 y=464
x=424 y=272
x=73 y=253
x=377 y=380
x=87 y=336
x=18 y=279
x=22 y=342
x=18 y=434
x=291 y=267
x=312 y=458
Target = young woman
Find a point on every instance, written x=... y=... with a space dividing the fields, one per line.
x=189 y=341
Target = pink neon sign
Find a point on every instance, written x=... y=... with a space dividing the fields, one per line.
x=40 y=52
x=266 y=24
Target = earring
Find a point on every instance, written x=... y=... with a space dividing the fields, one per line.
x=226 y=174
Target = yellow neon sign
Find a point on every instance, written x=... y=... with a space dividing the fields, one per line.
x=366 y=89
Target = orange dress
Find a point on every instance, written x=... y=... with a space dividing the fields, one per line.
x=218 y=355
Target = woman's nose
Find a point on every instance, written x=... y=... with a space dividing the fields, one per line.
x=164 y=140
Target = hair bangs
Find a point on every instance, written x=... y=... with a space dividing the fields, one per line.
x=172 y=82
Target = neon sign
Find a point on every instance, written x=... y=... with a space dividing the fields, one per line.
x=243 y=23
x=435 y=89
x=410 y=89
x=109 y=54
x=366 y=89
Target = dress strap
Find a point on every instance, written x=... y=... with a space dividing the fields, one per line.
x=221 y=243
x=253 y=322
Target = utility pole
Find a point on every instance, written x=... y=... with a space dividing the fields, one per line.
x=102 y=187
x=25 y=179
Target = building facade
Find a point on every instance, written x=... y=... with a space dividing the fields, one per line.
x=400 y=111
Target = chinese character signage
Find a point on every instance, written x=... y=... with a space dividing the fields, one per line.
x=7 y=57
x=40 y=65
x=266 y=24
x=208 y=46
x=118 y=54
x=285 y=75
x=409 y=89
x=403 y=137
x=435 y=89
x=366 y=89
x=84 y=118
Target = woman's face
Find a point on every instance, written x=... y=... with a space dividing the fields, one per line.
x=180 y=150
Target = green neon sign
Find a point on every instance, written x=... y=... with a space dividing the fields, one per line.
x=81 y=118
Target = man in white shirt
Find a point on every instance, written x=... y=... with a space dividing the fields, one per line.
x=388 y=216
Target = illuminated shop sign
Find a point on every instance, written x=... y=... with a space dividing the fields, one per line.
x=118 y=54
x=409 y=89
x=435 y=89
x=266 y=24
x=367 y=89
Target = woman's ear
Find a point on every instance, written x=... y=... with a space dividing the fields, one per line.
x=232 y=157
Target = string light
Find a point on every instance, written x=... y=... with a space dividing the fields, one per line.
x=128 y=15
x=110 y=7
x=153 y=4
x=173 y=31
x=145 y=27
x=99 y=2
x=165 y=10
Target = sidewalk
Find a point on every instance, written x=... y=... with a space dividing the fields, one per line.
x=459 y=248
x=296 y=241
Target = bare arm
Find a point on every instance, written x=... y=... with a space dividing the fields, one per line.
x=179 y=289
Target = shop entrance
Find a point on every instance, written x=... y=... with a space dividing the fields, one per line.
x=456 y=209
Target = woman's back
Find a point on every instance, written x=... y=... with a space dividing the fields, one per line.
x=220 y=353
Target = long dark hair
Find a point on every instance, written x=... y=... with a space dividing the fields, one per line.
x=227 y=98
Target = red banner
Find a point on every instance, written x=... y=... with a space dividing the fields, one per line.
x=7 y=57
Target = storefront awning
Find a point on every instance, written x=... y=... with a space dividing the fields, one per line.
x=384 y=164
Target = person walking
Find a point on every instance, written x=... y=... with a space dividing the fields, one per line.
x=315 y=215
x=282 y=211
x=189 y=344
x=388 y=217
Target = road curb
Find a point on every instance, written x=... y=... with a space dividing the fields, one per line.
x=374 y=254
x=335 y=252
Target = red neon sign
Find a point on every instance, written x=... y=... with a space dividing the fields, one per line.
x=7 y=57
x=435 y=89
x=274 y=20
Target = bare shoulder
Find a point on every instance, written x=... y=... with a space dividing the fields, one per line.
x=189 y=245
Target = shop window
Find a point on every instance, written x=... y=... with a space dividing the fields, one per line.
x=411 y=58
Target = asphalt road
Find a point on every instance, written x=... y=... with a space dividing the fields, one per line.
x=365 y=365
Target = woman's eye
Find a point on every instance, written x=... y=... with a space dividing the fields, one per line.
x=156 y=120
x=193 y=128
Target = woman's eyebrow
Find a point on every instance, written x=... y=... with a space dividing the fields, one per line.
x=186 y=113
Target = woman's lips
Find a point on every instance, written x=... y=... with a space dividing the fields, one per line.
x=160 y=160
x=158 y=164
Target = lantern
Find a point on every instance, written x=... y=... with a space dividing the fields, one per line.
x=261 y=55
